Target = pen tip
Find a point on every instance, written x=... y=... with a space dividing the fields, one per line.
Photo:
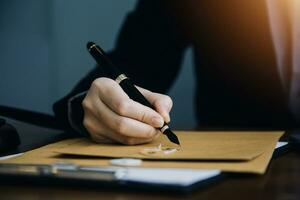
x=172 y=137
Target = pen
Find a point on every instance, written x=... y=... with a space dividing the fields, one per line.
x=128 y=87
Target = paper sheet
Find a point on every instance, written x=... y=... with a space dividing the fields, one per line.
x=165 y=176
x=48 y=155
x=194 y=146
x=178 y=177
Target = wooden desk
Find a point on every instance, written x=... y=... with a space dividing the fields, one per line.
x=282 y=181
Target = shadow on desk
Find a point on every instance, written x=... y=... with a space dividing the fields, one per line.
x=32 y=136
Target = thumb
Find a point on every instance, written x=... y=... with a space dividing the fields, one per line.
x=162 y=103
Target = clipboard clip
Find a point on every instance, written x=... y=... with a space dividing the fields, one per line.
x=64 y=170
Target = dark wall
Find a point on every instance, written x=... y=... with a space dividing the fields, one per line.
x=42 y=51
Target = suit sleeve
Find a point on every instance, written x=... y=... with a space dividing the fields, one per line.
x=149 y=50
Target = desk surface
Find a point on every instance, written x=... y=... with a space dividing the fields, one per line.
x=282 y=181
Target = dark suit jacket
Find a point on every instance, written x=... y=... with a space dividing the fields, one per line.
x=235 y=67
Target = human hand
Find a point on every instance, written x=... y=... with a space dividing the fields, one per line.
x=111 y=116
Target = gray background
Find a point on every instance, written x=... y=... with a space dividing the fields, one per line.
x=42 y=51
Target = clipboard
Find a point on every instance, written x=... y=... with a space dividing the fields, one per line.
x=109 y=177
x=54 y=153
x=68 y=174
x=47 y=169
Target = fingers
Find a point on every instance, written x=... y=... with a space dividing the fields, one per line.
x=102 y=134
x=118 y=101
x=111 y=116
x=104 y=123
x=162 y=103
x=124 y=125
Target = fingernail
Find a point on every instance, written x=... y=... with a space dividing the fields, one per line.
x=157 y=122
x=167 y=118
x=168 y=106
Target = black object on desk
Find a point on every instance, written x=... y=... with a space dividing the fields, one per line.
x=9 y=138
x=35 y=129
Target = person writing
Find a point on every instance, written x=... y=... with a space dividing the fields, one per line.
x=246 y=67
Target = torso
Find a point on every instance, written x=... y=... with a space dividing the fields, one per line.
x=237 y=77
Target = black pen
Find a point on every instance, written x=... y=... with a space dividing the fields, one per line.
x=102 y=59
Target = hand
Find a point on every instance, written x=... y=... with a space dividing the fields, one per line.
x=111 y=116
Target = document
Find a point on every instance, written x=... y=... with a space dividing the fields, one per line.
x=162 y=176
x=175 y=177
x=262 y=143
x=194 y=146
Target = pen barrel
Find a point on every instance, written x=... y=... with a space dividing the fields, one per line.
x=102 y=59
x=137 y=96
x=125 y=83
x=134 y=93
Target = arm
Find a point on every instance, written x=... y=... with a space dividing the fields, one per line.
x=149 y=50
